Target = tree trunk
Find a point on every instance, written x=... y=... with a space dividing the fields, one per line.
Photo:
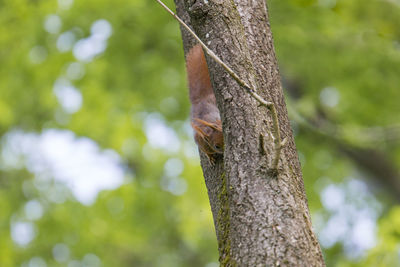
x=260 y=219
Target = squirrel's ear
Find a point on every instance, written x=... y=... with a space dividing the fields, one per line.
x=206 y=123
x=199 y=131
x=215 y=126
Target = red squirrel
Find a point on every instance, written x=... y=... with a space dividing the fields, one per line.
x=205 y=118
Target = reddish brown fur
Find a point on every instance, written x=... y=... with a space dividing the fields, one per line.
x=206 y=121
x=198 y=76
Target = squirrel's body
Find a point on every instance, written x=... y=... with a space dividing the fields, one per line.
x=205 y=118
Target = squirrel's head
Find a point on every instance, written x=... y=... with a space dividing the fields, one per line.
x=209 y=136
x=217 y=141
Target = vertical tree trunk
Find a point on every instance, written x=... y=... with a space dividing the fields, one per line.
x=260 y=219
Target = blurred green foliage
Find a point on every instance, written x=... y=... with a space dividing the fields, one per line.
x=62 y=68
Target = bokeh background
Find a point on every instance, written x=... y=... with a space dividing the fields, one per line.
x=97 y=162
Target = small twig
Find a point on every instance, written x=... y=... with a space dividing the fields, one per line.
x=277 y=137
x=278 y=144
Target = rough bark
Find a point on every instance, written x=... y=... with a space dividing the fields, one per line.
x=260 y=220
